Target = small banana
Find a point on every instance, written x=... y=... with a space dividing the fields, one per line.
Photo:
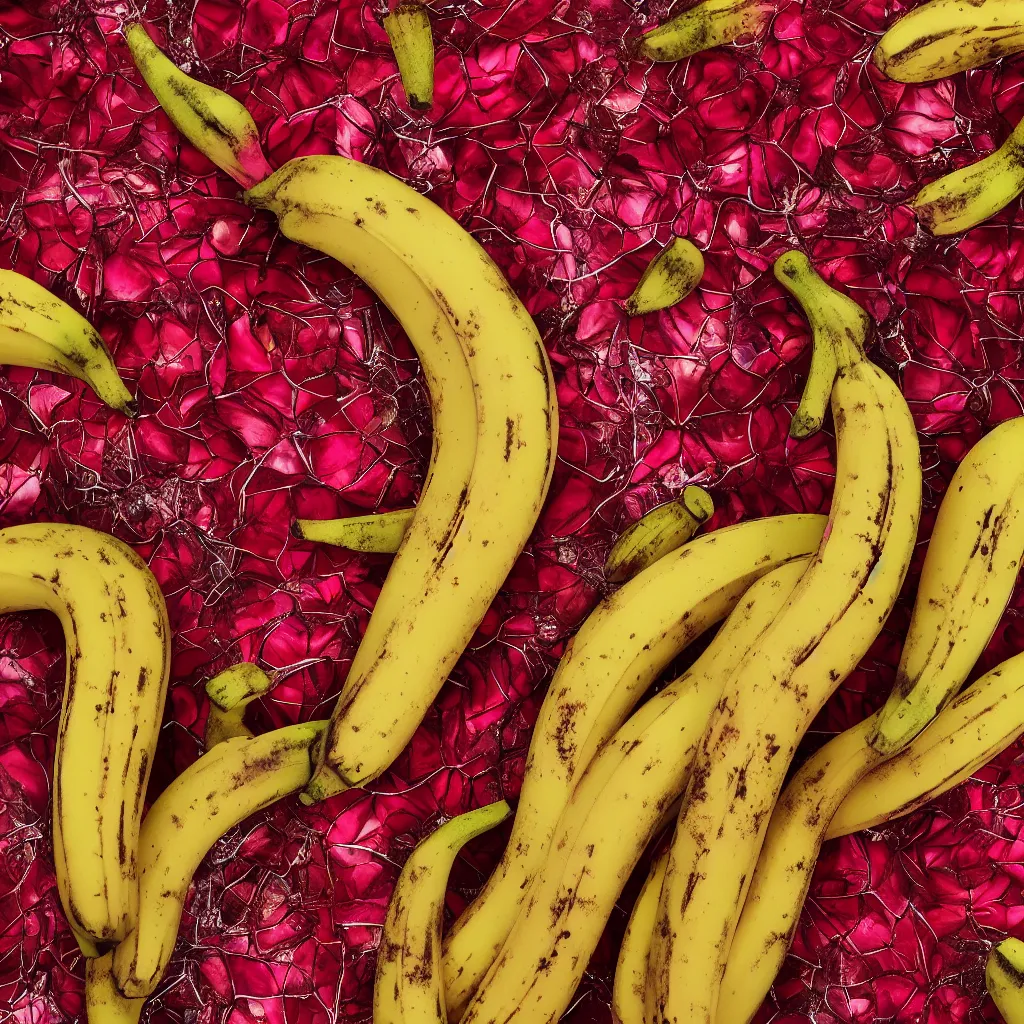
x=41 y=331
x=104 y=1004
x=230 y=693
x=214 y=122
x=622 y=647
x=408 y=28
x=381 y=533
x=965 y=198
x=238 y=777
x=118 y=650
x=657 y=533
x=945 y=37
x=1004 y=979
x=668 y=279
x=408 y=987
x=711 y=23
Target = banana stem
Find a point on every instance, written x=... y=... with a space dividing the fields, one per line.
x=408 y=28
x=381 y=533
x=230 y=693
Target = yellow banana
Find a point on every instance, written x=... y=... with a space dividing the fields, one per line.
x=708 y=24
x=380 y=533
x=831 y=619
x=668 y=279
x=104 y=1004
x=945 y=37
x=1004 y=979
x=614 y=811
x=236 y=778
x=230 y=693
x=118 y=648
x=624 y=645
x=660 y=531
x=631 y=967
x=398 y=671
x=408 y=28
x=408 y=988
x=41 y=331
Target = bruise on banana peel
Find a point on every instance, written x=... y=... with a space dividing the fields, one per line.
x=668 y=278
x=1004 y=979
x=708 y=24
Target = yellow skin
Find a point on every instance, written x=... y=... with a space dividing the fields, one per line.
x=408 y=28
x=945 y=37
x=408 y=988
x=624 y=645
x=104 y=1004
x=830 y=621
x=1004 y=979
x=118 y=641
x=227 y=784
x=230 y=693
x=708 y=24
x=41 y=331
x=668 y=279
x=613 y=813
x=380 y=533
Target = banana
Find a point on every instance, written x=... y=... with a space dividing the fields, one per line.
x=708 y=24
x=614 y=811
x=968 y=576
x=230 y=693
x=975 y=726
x=381 y=533
x=238 y=777
x=1004 y=979
x=362 y=214
x=214 y=122
x=830 y=620
x=668 y=279
x=408 y=988
x=104 y=1004
x=41 y=331
x=631 y=967
x=118 y=649
x=660 y=531
x=408 y=28
x=965 y=198
x=624 y=645
x=945 y=37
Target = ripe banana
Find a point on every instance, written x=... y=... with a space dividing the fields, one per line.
x=214 y=122
x=409 y=987
x=359 y=213
x=408 y=28
x=631 y=968
x=39 y=330
x=381 y=533
x=831 y=619
x=624 y=645
x=668 y=279
x=975 y=726
x=1004 y=979
x=968 y=576
x=233 y=780
x=945 y=37
x=104 y=1004
x=711 y=23
x=230 y=693
x=963 y=199
x=614 y=811
x=655 y=534
x=118 y=647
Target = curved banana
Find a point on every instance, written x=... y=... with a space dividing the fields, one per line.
x=104 y=1004
x=668 y=279
x=409 y=988
x=945 y=37
x=609 y=820
x=975 y=726
x=358 y=213
x=830 y=621
x=1004 y=979
x=230 y=693
x=408 y=28
x=41 y=331
x=708 y=24
x=622 y=647
x=233 y=780
x=655 y=534
x=631 y=967
x=118 y=651
x=380 y=533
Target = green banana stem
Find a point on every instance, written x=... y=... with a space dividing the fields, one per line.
x=381 y=533
x=408 y=28
x=214 y=122
x=709 y=24
x=230 y=693
x=668 y=279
